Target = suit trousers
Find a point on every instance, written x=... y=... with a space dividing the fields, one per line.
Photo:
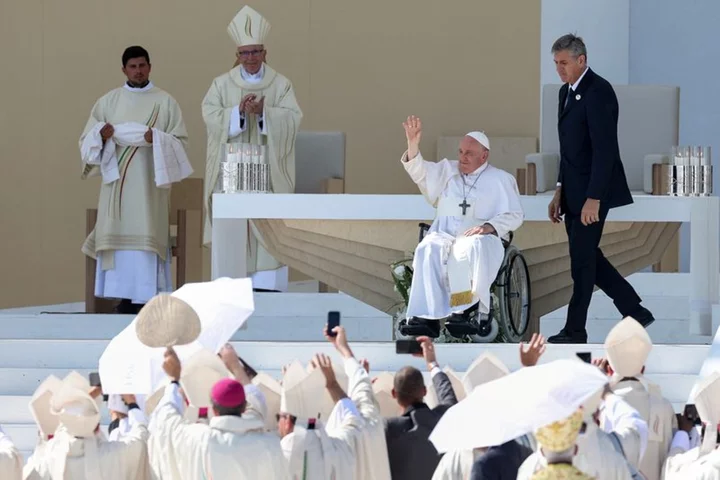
x=589 y=267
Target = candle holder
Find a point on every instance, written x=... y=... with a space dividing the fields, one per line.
x=690 y=172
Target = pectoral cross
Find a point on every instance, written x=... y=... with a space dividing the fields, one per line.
x=464 y=205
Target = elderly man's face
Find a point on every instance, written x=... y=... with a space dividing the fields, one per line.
x=251 y=57
x=471 y=155
x=569 y=68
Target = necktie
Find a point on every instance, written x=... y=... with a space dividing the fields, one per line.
x=567 y=97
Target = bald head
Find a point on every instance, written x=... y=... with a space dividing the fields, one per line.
x=471 y=155
x=409 y=386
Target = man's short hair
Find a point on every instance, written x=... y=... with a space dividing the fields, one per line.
x=228 y=411
x=135 y=51
x=572 y=43
x=409 y=385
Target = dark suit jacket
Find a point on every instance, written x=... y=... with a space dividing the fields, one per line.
x=500 y=463
x=590 y=164
x=412 y=456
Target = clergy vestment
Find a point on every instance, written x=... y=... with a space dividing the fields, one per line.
x=692 y=465
x=124 y=459
x=370 y=447
x=661 y=421
x=596 y=457
x=456 y=464
x=326 y=451
x=11 y=462
x=131 y=239
x=453 y=272
x=276 y=128
x=229 y=447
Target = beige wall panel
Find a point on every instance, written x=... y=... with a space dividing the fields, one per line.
x=358 y=67
x=440 y=61
x=23 y=250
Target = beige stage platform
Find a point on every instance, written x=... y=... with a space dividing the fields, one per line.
x=349 y=241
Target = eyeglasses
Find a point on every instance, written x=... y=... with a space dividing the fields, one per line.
x=248 y=53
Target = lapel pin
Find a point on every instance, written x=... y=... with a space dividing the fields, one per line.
x=577 y=97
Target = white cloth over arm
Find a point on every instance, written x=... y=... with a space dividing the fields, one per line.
x=171 y=161
x=94 y=152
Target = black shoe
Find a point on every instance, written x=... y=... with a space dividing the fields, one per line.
x=416 y=327
x=567 y=337
x=643 y=316
x=125 y=307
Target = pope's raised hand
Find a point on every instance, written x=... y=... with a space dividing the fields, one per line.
x=413 y=133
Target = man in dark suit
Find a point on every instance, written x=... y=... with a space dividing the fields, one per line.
x=591 y=181
x=411 y=454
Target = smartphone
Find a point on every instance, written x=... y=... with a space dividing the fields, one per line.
x=250 y=371
x=691 y=414
x=585 y=356
x=333 y=320
x=403 y=347
x=94 y=379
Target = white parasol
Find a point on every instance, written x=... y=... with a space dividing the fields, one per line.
x=517 y=404
x=223 y=305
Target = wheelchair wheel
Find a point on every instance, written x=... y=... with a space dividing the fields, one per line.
x=492 y=335
x=514 y=297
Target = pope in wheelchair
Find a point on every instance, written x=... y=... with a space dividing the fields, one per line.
x=455 y=264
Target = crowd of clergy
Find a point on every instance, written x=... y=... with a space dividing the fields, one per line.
x=215 y=417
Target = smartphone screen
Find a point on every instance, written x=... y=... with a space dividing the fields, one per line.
x=94 y=379
x=251 y=372
x=585 y=356
x=333 y=320
x=404 y=347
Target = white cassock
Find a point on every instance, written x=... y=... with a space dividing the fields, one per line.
x=371 y=453
x=11 y=462
x=229 y=447
x=453 y=272
x=597 y=454
x=661 y=421
x=131 y=239
x=328 y=450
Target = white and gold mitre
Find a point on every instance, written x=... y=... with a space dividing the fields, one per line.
x=248 y=28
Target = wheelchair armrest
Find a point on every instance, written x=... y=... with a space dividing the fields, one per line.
x=424 y=227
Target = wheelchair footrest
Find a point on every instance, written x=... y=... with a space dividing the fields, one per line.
x=420 y=327
x=460 y=329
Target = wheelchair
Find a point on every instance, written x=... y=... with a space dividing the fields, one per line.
x=509 y=313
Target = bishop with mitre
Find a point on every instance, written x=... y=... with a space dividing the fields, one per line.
x=252 y=104
x=459 y=259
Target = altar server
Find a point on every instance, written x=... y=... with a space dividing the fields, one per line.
x=477 y=206
x=135 y=139
x=252 y=104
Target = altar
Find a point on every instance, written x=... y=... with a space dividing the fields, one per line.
x=349 y=241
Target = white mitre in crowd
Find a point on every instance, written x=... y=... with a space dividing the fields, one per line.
x=703 y=462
